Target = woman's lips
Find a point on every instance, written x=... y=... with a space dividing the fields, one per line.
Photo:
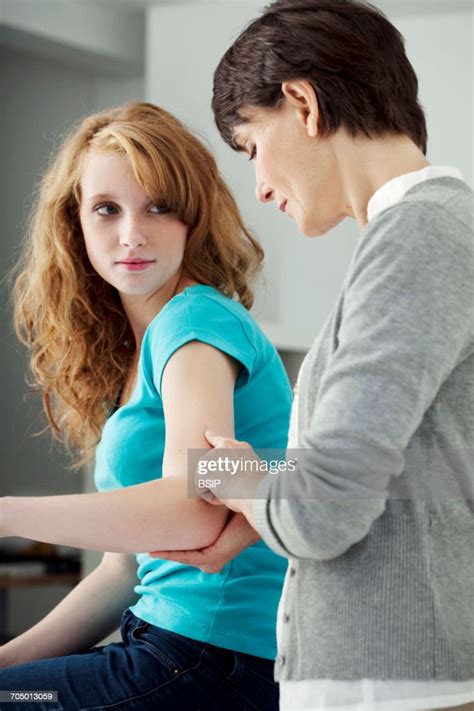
x=283 y=205
x=136 y=266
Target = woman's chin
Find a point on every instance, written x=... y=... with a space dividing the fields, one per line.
x=312 y=230
x=316 y=228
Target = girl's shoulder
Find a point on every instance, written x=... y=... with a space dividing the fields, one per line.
x=202 y=307
x=203 y=313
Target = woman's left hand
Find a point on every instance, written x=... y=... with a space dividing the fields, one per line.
x=236 y=536
x=239 y=532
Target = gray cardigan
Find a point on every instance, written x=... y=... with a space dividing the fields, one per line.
x=378 y=519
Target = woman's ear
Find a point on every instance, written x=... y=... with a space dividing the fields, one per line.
x=300 y=94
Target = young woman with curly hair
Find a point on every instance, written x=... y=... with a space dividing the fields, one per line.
x=132 y=295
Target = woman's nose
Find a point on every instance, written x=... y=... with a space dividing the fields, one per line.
x=264 y=193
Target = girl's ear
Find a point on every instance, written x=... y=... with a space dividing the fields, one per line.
x=300 y=94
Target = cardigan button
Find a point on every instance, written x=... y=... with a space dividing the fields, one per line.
x=292 y=572
x=281 y=660
x=286 y=618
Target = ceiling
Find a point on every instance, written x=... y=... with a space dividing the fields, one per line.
x=140 y=4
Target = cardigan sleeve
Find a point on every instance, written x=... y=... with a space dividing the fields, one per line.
x=407 y=321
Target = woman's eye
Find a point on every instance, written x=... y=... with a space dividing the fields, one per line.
x=106 y=208
x=160 y=209
x=253 y=153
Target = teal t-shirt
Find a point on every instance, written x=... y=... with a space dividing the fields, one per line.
x=235 y=608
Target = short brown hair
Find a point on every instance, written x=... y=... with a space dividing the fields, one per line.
x=348 y=50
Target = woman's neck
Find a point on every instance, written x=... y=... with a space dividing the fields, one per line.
x=367 y=164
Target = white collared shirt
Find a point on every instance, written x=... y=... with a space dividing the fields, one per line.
x=394 y=190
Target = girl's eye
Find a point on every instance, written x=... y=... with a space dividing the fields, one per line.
x=253 y=153
x=106 y=208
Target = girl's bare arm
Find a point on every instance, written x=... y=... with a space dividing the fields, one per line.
x=90 y=612
x=198 y=391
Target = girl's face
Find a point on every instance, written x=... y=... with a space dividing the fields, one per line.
x=136 y=245
x=299 y=172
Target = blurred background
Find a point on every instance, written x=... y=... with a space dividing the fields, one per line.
x=63 y=59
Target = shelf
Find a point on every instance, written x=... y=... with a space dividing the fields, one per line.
x=9 y=582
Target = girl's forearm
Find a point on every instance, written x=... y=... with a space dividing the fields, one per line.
x=92 y=610
x=157 y=515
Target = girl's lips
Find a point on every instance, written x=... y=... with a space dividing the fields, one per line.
x=283 y=205
x=135 y=266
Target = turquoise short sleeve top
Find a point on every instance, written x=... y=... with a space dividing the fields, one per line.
x=235 y=608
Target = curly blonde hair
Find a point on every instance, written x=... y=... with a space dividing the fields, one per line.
x=73 y=322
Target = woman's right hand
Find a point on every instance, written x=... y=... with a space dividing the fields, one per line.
x=234 y=538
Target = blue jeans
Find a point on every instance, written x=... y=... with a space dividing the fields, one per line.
x=150 y=669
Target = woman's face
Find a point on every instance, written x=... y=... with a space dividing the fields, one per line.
x=137 y=246
x=298 y=171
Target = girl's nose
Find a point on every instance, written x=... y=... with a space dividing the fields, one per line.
x=132 y=234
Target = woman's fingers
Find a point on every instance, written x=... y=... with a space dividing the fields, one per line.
x=235 y=537
x=185 y=557
x=221 y=442
x=197 y=559
x=209 y=497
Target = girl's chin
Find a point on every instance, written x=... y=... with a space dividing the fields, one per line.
x=141 y=290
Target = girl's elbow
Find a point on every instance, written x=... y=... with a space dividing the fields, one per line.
x=210 y=527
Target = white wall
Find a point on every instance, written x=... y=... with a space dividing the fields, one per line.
x=111 y=39
x=184 y=45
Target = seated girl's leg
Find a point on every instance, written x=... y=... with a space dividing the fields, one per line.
x=223 y=679
x=124 y=673
x=150 y=668
x=252 y=681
